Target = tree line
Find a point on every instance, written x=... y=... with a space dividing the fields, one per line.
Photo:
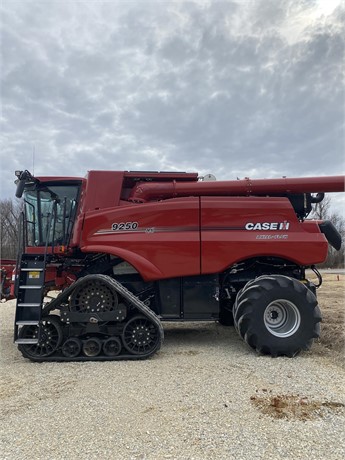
x=9 y=229
x=323 y=211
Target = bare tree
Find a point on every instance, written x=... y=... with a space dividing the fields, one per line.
x=322 y=211
x=9 y=217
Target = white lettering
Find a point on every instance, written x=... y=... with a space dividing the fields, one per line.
x=267 y=225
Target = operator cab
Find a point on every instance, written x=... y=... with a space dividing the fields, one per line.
x=49 y=209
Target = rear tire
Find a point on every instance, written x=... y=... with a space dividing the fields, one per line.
x=277 y=315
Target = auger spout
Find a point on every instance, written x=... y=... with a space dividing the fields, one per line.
x=147 y=191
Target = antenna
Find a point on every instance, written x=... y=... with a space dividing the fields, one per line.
x=33 y=160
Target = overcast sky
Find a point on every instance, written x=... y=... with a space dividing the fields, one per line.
x=234 y=88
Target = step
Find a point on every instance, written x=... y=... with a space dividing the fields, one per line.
x=29 y=305
x=33 y=269
x=26 y=341
x=25 y=286
x=27 y=323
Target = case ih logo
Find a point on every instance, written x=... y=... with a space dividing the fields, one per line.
x=267 y=225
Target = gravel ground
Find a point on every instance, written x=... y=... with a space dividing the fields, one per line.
x=205 y=395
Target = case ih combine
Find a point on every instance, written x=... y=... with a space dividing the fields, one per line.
x=128 y=250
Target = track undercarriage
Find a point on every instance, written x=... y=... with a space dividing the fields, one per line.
x=98 y=319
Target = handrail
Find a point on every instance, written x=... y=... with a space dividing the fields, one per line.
x=49 y=223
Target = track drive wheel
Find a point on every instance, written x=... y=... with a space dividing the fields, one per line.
x=50 y=338
x=94 y=296
x=277 y=315
x=141 y=336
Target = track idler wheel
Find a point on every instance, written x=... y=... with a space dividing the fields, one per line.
x=50 y=338
x=140 y=335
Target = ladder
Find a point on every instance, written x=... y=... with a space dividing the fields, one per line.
x=29 y=295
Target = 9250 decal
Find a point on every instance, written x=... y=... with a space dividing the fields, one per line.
x=124 y=226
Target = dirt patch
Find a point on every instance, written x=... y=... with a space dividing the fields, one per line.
x=294 y=407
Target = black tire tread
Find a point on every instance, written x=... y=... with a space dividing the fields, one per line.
x=246 y=314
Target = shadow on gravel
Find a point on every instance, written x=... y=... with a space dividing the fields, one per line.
x=191 y=339
x=199 y=334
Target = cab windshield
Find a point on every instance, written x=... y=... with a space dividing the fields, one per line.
x=49 y=214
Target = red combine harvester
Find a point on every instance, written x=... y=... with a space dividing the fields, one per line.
x=6 y=286
x=128 y=250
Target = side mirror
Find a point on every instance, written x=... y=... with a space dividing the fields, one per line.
x=23 y=176
x=20 y=188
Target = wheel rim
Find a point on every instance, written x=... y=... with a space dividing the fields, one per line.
x=71 y=348
x=140 y=335
x=92 y=347
x=50 y=338
x=282 y=318
x=112 y=346
x=93 y=297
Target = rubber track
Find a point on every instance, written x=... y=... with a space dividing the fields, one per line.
x=127 y=295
